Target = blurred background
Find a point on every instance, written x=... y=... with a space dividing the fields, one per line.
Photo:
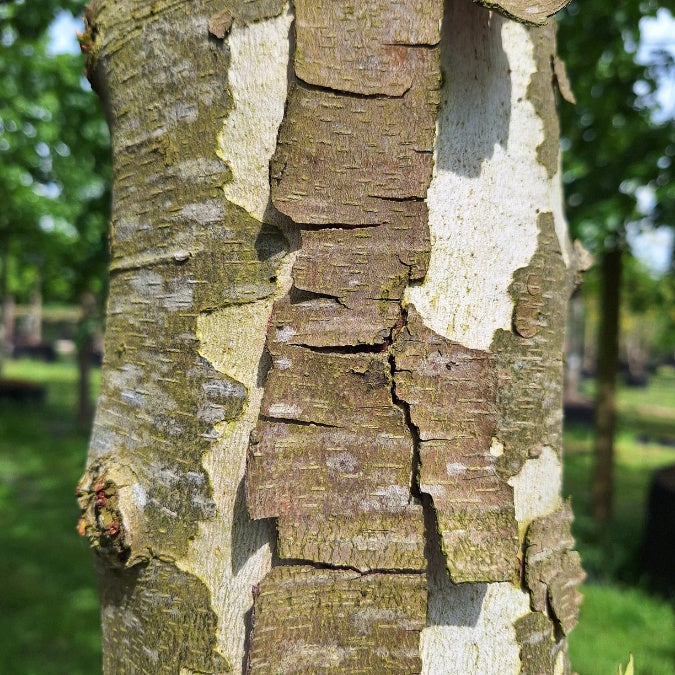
x=618 y=145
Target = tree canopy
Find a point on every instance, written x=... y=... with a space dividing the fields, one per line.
x=54 y=161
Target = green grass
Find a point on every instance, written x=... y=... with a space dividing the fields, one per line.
x=618 y=616
x=48 y=603
x=49 y=619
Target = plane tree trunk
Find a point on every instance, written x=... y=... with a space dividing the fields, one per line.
x=329 y=431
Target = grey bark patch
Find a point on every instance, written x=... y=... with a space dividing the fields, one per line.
x=337 y=621
x=540 y=93
x=451 y=391
x=178 y=249
x=529 y=367
x=158 y=619
x=552 y=569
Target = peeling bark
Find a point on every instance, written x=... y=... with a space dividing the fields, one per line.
x=552 y=569
x=393 y=389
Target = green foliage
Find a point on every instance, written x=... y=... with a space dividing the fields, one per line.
x=54 y=161
x=612 y=144
x=614 y=619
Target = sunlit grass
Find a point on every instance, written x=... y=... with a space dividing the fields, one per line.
x=618 y=616
x=48 y=602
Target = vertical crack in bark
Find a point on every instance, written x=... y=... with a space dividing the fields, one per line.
x=432 y=536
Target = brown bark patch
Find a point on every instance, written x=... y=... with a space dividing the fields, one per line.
x=331 y=447
x=337 y=621
x=451 y=391
x=364 y=48
x=350 y=160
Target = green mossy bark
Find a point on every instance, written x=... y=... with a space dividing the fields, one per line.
x=158 y=619
x=178 y=249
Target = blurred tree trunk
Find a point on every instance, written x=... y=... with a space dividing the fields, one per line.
x=575 y=348
x=86 y=328
x=605 y=400
x=6 y=303
x=284 y=341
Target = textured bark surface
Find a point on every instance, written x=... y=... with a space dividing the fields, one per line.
x=540 y=652
x=527 y=11
x=452 y=393
x=552 y=569
x=336 y=621
x=401 y=434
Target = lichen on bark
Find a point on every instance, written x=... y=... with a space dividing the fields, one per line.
x=146 y=609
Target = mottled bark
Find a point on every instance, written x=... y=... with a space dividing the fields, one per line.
x=375 y=325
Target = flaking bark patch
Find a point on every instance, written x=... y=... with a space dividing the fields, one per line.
x=337 y=622
x=158 y=619
x=347 y=284
x=539 y=650
x=346 y=159
x=362 y=48
x=529 y=359
x=451 y=391
x=332 y=453
x=330 y=447
x=552 y=569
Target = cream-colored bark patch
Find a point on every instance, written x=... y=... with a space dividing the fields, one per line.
x=470 y=628
x=487 y=186
x=258 y=81
x=536 y=488
x=232 y=553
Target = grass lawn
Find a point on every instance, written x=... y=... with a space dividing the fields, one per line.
x=49 y=619
x=48 y=603
x=618 y=616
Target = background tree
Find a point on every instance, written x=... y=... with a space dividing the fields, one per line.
x=614 y=147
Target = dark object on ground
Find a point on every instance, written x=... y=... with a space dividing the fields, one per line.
x=579 y=412
x=21 y=391
x=43 y=351
x=659 y=542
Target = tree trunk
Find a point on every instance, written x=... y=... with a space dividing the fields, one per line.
x=574 y=349
x=605 y=400
x=6 y=304
x=329 y=431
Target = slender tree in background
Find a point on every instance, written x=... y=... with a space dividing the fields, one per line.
x=614 y=147
x=329 y=431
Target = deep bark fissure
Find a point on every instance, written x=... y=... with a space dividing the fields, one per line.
x=344 y=92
